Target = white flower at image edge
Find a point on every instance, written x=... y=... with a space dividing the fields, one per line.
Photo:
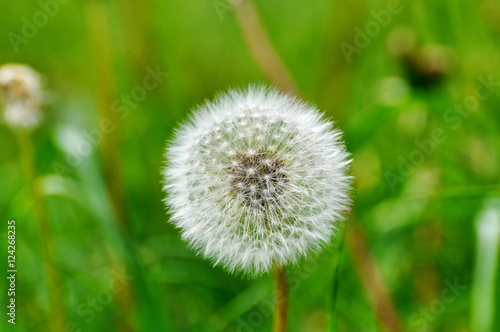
x=21 y=95
x=256 y=180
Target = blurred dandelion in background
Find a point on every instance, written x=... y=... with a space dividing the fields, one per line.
x=21 y=95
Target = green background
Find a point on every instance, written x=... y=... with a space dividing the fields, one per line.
x=418 y=201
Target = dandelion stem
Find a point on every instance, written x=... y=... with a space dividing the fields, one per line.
x=281 y=300
x=55 y=292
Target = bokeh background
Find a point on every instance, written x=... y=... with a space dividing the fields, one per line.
x=415 y=86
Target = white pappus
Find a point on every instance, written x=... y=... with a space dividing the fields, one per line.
x=256 y=180
x=21 y=94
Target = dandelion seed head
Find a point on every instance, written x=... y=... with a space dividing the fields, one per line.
x=276 y=193
x=21 y=95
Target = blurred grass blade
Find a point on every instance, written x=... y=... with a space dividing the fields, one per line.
x=336 y=283
x=488 y=236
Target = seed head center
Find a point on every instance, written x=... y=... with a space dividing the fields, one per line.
x=258 y=179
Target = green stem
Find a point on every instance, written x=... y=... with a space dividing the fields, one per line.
x=336 y=283
x=101 y=43
x=54 y=280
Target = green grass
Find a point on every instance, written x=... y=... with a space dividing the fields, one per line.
x=420 y=226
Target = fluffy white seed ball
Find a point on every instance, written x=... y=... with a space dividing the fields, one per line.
x=256 y=180
x=21 y=95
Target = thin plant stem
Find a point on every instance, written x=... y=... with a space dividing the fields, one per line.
x=100 y=38
x=281 y=300
x=262 y=49
x=336 y=283
x=99 y=33
x=54 y=279
x=372 y=281
x=143 y=47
